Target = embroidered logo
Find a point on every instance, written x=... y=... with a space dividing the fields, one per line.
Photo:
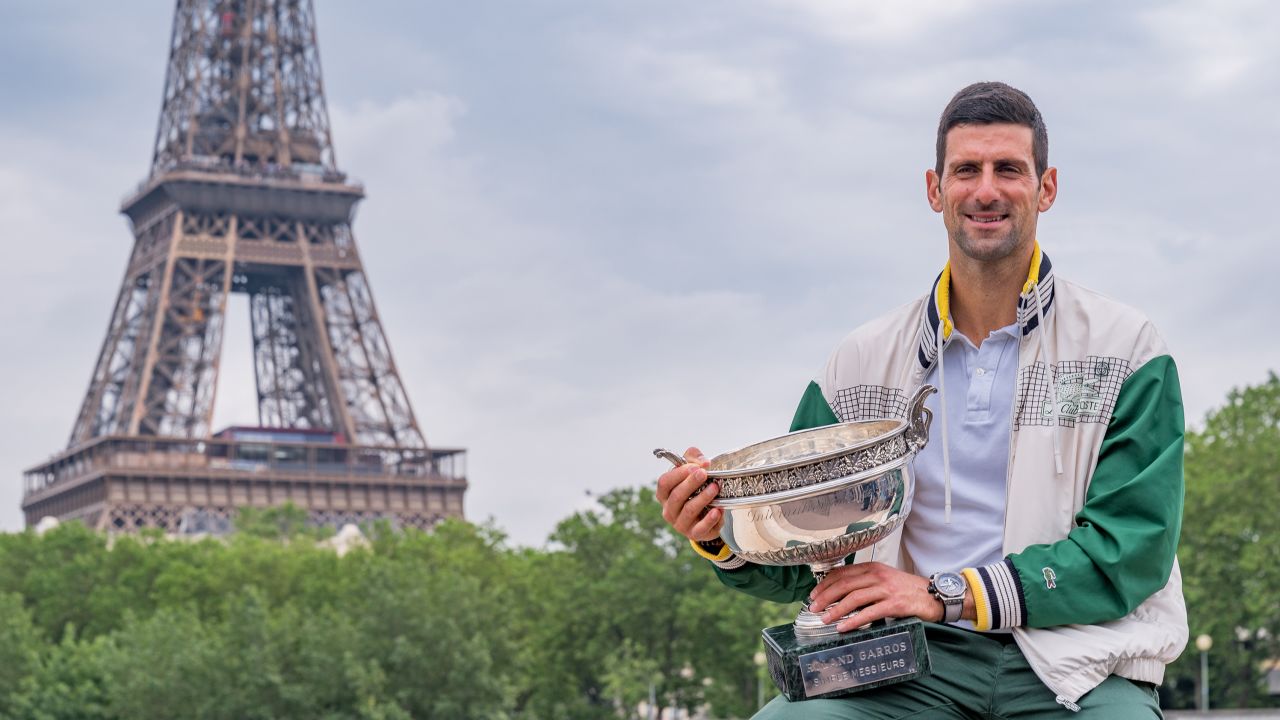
x=1050 y=578
x=1076 y=394
x=1070 y=392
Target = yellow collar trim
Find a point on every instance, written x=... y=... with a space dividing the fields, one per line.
x=1033 y=275
x=943 y=299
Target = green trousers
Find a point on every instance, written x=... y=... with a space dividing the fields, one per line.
x=973 y=677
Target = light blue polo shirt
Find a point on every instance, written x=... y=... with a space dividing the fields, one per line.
x=980 y=387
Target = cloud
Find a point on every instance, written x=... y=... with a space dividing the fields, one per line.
x=1219 y=47
x=640 y=226
x=549 y=363
x=882 y=23
x=667 y=81
x=419 y=124
x=65 y=249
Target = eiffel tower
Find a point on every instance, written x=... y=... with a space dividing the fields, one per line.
x=244 y=196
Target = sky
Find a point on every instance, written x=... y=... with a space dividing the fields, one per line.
x=596 y=228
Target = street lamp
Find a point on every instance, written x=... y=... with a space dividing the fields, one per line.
x=1204 y=644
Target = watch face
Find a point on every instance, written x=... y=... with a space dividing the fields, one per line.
x=949 y=584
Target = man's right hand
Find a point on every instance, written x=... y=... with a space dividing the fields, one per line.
x=690 y=517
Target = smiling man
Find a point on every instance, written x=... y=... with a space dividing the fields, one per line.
x=1040 y=548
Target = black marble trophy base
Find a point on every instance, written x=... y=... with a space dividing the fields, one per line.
x=874 y=656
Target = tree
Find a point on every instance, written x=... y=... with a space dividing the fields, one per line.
x=66 y=684
x=435 y=613
x=446 y=624
x=623 y=601
x=20 y=646
x=164 y=666
x=56 y=574
x=1230 y=549
x=280 y=522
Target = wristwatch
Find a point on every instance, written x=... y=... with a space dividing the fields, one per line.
x=949 y=588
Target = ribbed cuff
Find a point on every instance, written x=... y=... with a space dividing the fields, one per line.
x=997 y=596
x=720 y=555
x=733 y=563
x=980 y=604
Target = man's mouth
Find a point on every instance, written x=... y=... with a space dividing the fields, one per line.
x=986 y=218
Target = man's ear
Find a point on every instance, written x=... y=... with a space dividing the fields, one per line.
x=1048 y=188
x=933 y=190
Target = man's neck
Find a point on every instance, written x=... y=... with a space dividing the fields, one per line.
x=984 y=295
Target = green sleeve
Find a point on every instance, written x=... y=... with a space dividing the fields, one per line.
x=813 y=411
x=1122 y=548
x=784 y=584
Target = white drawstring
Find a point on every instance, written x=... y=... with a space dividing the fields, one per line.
x=1050 y=367
x=946 y=455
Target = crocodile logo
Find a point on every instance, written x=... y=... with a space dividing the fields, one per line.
x=1050 y=578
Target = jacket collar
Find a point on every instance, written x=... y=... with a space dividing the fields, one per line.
x=937 y=316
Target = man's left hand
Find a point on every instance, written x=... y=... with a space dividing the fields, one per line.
x=876 y=591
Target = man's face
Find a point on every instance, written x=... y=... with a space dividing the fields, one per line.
x=989 y=194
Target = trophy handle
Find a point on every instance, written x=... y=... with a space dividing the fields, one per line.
x=919 y=418
x=674 y=459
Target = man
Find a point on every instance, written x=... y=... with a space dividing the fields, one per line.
x=1052 y=481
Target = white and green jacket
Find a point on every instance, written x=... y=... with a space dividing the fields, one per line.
x=1090 y=583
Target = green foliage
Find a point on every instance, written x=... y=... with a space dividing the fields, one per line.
x=20 y=646
x=67 y=683
x=162 y=663
x=1230 y=548
x=625 y=602
x=447 y=624
x=281 y=522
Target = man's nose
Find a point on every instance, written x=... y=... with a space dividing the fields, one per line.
x=986 y=192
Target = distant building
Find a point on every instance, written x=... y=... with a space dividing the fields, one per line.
x=244 y=196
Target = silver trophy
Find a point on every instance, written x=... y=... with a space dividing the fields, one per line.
x=814 y=498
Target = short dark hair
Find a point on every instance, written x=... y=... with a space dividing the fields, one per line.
x=986 y=103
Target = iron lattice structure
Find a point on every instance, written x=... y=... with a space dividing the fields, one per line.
x=245 y=196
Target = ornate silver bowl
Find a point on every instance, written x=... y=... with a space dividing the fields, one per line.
x=816 y=496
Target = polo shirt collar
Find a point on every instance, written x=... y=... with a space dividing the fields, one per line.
x=937 y=317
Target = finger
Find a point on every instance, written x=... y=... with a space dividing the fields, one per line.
x=697 y=504
x=845 y=571
x=694 y=478
x=669 y=480
x=862 y=617
x=695 y=456
x=708 y=528
x=844 y=604
x=849 y=603
x=863 y=572
x=673 y=508
x=838 y=584
x=853 y=622
x=696 y=507
x=869 y=614
x=828 y=581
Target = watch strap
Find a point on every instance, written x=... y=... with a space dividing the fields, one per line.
x=952 y=609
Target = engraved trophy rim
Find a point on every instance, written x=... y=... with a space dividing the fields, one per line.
x=807 y=491
x=897 y=426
